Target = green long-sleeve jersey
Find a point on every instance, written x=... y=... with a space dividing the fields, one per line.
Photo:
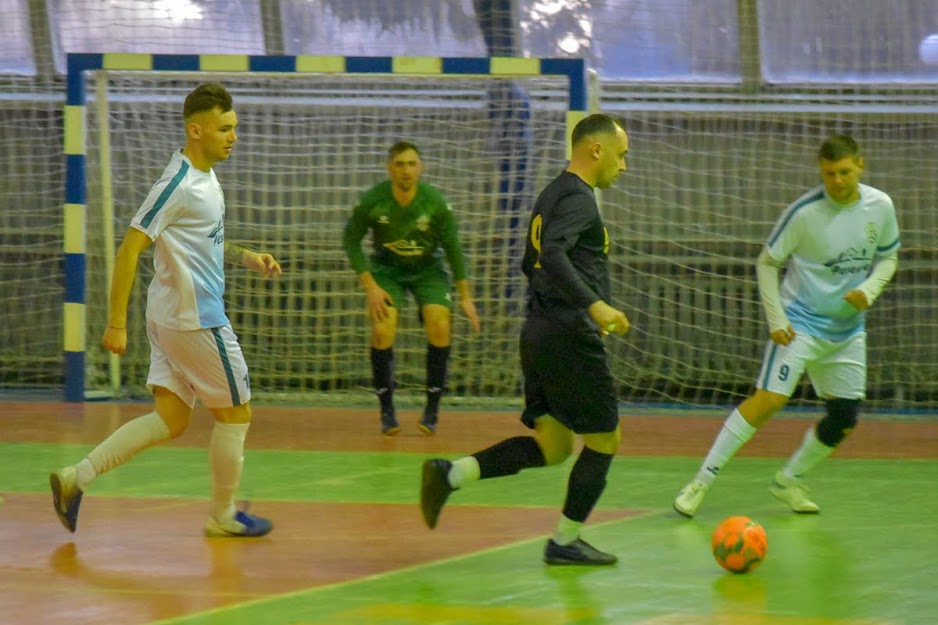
x=409 y=237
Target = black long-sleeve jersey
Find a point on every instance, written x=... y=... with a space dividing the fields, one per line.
x=566 y=253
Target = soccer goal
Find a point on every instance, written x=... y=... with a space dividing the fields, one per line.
x=708 y=176
x=313 y=134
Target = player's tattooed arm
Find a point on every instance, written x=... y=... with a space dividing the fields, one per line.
x=258 y=262
x=234 y=253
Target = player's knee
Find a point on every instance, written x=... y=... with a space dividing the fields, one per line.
x=761 y=407
x=175 y=423
x=840 y=419
x=382 y=335
x=604 y=442
x=234 y=414
x=438 y=332
x=556 y=450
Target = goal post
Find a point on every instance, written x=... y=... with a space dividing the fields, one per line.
x=314 y=130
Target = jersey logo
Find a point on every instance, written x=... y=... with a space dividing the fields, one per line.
x=851 y=261
x=383 y=219
x=218 y=232
x=423 y=223
x=405 y=248
x=872 y=232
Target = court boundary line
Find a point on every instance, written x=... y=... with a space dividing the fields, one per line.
x=641 y=513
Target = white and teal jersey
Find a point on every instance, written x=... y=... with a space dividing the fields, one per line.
x=184 y=217
x=830 y=249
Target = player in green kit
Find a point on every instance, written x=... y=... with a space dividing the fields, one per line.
x=412 y=226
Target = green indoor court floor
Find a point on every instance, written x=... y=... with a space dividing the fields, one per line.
x=349 y=547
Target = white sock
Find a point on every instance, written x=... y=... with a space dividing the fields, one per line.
x=735 y=433
x=84 y=473
x=226 y=457
x=567 y=531
x=811 y=452
x=123 y=444
x=464 y=471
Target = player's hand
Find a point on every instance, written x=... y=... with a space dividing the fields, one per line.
x=469 y=309
x=783 y=336
x=609 y=319
x=264 y=264
x=115 y=340
x=378 y=303
x=857 y=299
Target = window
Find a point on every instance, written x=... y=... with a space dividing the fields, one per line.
x=644 y=40
x=861 y=41
x=156 y=26
x=381 y=28
x=16 y=45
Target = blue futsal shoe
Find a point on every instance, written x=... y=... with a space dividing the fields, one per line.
x=242 y=525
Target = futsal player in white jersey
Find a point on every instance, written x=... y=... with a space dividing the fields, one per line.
x=840 y=242
x=194 y=353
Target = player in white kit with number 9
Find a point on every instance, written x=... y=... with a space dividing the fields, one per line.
x=840 y=241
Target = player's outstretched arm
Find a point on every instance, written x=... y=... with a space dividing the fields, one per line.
x=122 y=281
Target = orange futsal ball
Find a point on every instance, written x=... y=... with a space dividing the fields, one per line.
x=739 y=544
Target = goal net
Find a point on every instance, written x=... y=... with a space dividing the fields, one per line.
x=707 y=179
x=309 y=145
x=705 y=185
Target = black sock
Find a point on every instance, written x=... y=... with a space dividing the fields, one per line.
x=586 y=484
x=437 y=360
x=382 y=371
x=509 y=456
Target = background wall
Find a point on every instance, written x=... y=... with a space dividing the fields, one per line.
x=725 y=108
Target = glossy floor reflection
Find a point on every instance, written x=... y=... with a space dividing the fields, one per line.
x=349 y=547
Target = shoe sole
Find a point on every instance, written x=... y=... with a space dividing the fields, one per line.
x=686 y=515
x=554 y=562
x=391 y=431
x=783 y=500
x=426 y=429
x=428 y=478
x=56 y=484
x=222 y=533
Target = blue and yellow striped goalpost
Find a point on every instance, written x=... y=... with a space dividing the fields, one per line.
x=74 y=239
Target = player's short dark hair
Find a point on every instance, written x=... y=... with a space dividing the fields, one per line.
x=838 y=147
x=400 y=147
x=206 y=97
x=595 y=124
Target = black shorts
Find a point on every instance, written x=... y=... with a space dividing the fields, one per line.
x=566 y=375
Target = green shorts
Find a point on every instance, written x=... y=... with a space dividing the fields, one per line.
x=429 y=285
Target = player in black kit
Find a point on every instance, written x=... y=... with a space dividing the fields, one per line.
x=568 y=386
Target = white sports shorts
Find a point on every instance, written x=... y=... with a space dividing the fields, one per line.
x=834 y=369
x=205 y=364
